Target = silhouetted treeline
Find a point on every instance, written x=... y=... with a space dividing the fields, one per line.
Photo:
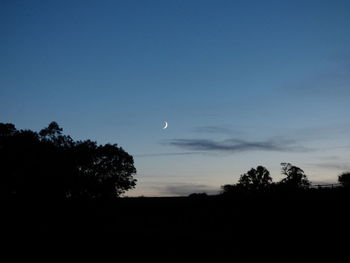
x=259 y=181
x=49 y=165
x=255 y=220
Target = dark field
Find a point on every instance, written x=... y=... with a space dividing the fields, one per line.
x=306 y=226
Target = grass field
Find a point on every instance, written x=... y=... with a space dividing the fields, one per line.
x=284 y=227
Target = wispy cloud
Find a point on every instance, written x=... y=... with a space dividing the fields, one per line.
x=334 y=165
x=334 y=81
x=237 y=145
x=164 y=154
x=323 y=131
x=214 y=130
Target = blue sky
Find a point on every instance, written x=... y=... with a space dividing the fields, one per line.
x=241 y=83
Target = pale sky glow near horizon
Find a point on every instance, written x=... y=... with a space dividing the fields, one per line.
x=240 y=83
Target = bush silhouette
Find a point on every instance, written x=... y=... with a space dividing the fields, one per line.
x=344 y=179
x=50 y=165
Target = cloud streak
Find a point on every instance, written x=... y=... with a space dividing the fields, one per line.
x=165 y=154
x=214 y=130
x=237 y=145
x=334 y=165
x=335 y=81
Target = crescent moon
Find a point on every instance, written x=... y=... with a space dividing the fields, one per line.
x=165 y=125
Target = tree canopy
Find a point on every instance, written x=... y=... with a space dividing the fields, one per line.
x=295 y=177
x=52 y=165
x=344 y=179
x=259 y=179
x=255 y=179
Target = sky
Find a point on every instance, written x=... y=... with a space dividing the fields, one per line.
x=240 y=83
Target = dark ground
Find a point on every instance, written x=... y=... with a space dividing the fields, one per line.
x=286 y=227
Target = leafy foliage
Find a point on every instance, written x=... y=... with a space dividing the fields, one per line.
x=296 y=177
x=344 y=179
x=52 y=165
x=255 y=179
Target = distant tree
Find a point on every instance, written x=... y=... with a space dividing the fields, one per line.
x=295 y=177
x=228 y=188
x=49 y=164
x=7 y=129
x=255 y=179
x=344 y=179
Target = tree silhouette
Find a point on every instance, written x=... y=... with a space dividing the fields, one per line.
x=18 y=157
x=228 y=188
x=296 y=177
x=49 y=164
x=7 y=129
x=103 y=170
x=255 y=179
x=344 y=179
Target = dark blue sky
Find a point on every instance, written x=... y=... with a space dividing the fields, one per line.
x=241 y=83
